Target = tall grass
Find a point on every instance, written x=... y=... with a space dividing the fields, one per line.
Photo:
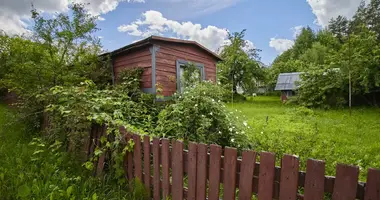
x=33 y=169
x=330 y=135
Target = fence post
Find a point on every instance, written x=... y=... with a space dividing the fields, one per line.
x=137 y=157
x=177 y=170
x=315 y=180
x=246 y=175
x=266 y=176
x=192 y=171
x=346 y=182
x=214 y=172
x=165 y=168
x=289 y=178
x=372 y=190
x=147 y=163
x=229 y=175
x=201 y=171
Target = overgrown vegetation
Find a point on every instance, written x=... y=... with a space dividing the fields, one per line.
x=347 y=51
x=34 y=169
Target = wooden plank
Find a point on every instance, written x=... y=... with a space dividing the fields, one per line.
x=147 y=163
x=372 y=191
x=229 y=182
x=289 y=177
x=192 y=171
x=156 y=168
x=165 y=152
x=214 y=172
x=346 y=182
x=129 y=159
x=246 y=175
x=201 y=171
x=314 y=180
x=266 y=176
x=137 y=157
x=177 y=170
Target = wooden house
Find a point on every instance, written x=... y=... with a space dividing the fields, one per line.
x=164 y=60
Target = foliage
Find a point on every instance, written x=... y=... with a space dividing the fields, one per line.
x=330 y=135
x=199 y=115
x=350 y=46
x=240 y=67
x=40 y=170
x=61 y=51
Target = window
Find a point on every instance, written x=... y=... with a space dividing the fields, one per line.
x=182 y=67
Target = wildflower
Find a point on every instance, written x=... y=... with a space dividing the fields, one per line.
x=245 y=123
x=210 y=113
x=196 y=105
x=220 y=132
x=232 y=140
x=212 y=100
x=230 y=129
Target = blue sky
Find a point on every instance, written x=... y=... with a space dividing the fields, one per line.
x=262 y=19
x=272 y=25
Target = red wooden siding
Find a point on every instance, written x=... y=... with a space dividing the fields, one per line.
x=136 y=58
x=167 y=56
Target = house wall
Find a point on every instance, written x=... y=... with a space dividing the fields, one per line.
x=167 y=56
x=137 y=58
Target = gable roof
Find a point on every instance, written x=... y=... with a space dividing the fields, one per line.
x=150 y=39
x=287 y=81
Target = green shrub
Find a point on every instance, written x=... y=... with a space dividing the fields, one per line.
x=200 y=115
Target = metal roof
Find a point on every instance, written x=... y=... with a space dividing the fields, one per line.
x=288 y=81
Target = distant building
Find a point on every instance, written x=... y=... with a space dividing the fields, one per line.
x=287 y=83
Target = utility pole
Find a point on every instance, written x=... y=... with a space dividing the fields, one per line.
x=349 y=75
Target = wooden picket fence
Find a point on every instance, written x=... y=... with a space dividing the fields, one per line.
x=211 y=172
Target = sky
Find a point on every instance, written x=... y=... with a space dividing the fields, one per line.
x=271 y=25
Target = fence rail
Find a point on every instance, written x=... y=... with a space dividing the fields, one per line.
x=199 y=172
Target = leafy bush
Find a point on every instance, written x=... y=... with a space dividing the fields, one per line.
x=322 y=88
x=199 y=115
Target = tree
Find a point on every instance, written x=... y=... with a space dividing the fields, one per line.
x=339 y=27
x=303 y=42
x=239 y=67
x=61 y=51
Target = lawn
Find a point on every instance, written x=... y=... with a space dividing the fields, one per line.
x=330 y=135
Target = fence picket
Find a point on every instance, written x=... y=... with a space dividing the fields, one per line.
x=201 y=171
x=177 y=170
x=346 y=182
x=192 y=171
x=156 y=169
x=289 y=178
x=266 y=176
x=315 y=180
x=129 y=159
x=137 y=157
x=246 y=175
x=165 y=168
x=214 y=172
x=372 y=191
x=229 y=182
x=147 y=163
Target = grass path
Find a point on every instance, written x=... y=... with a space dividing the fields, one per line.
x=330 y=135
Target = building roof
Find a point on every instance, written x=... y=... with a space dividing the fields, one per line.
x=288 y=81
x=150 y=39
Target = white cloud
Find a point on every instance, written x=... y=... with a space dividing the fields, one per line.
x=15 y=14
x=296 y=31
x=154 y=23
x=280 y=45
x=324 y=10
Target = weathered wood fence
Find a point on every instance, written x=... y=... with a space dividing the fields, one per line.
x=210 y=172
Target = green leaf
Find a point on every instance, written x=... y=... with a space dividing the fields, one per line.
x=23 y=191
x=94 y=196
x=69 y=191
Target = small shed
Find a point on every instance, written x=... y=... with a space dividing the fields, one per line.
x=164 y=60
x=287 y=83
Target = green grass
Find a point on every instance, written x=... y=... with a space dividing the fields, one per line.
x=330 y=135
x=33 y=169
